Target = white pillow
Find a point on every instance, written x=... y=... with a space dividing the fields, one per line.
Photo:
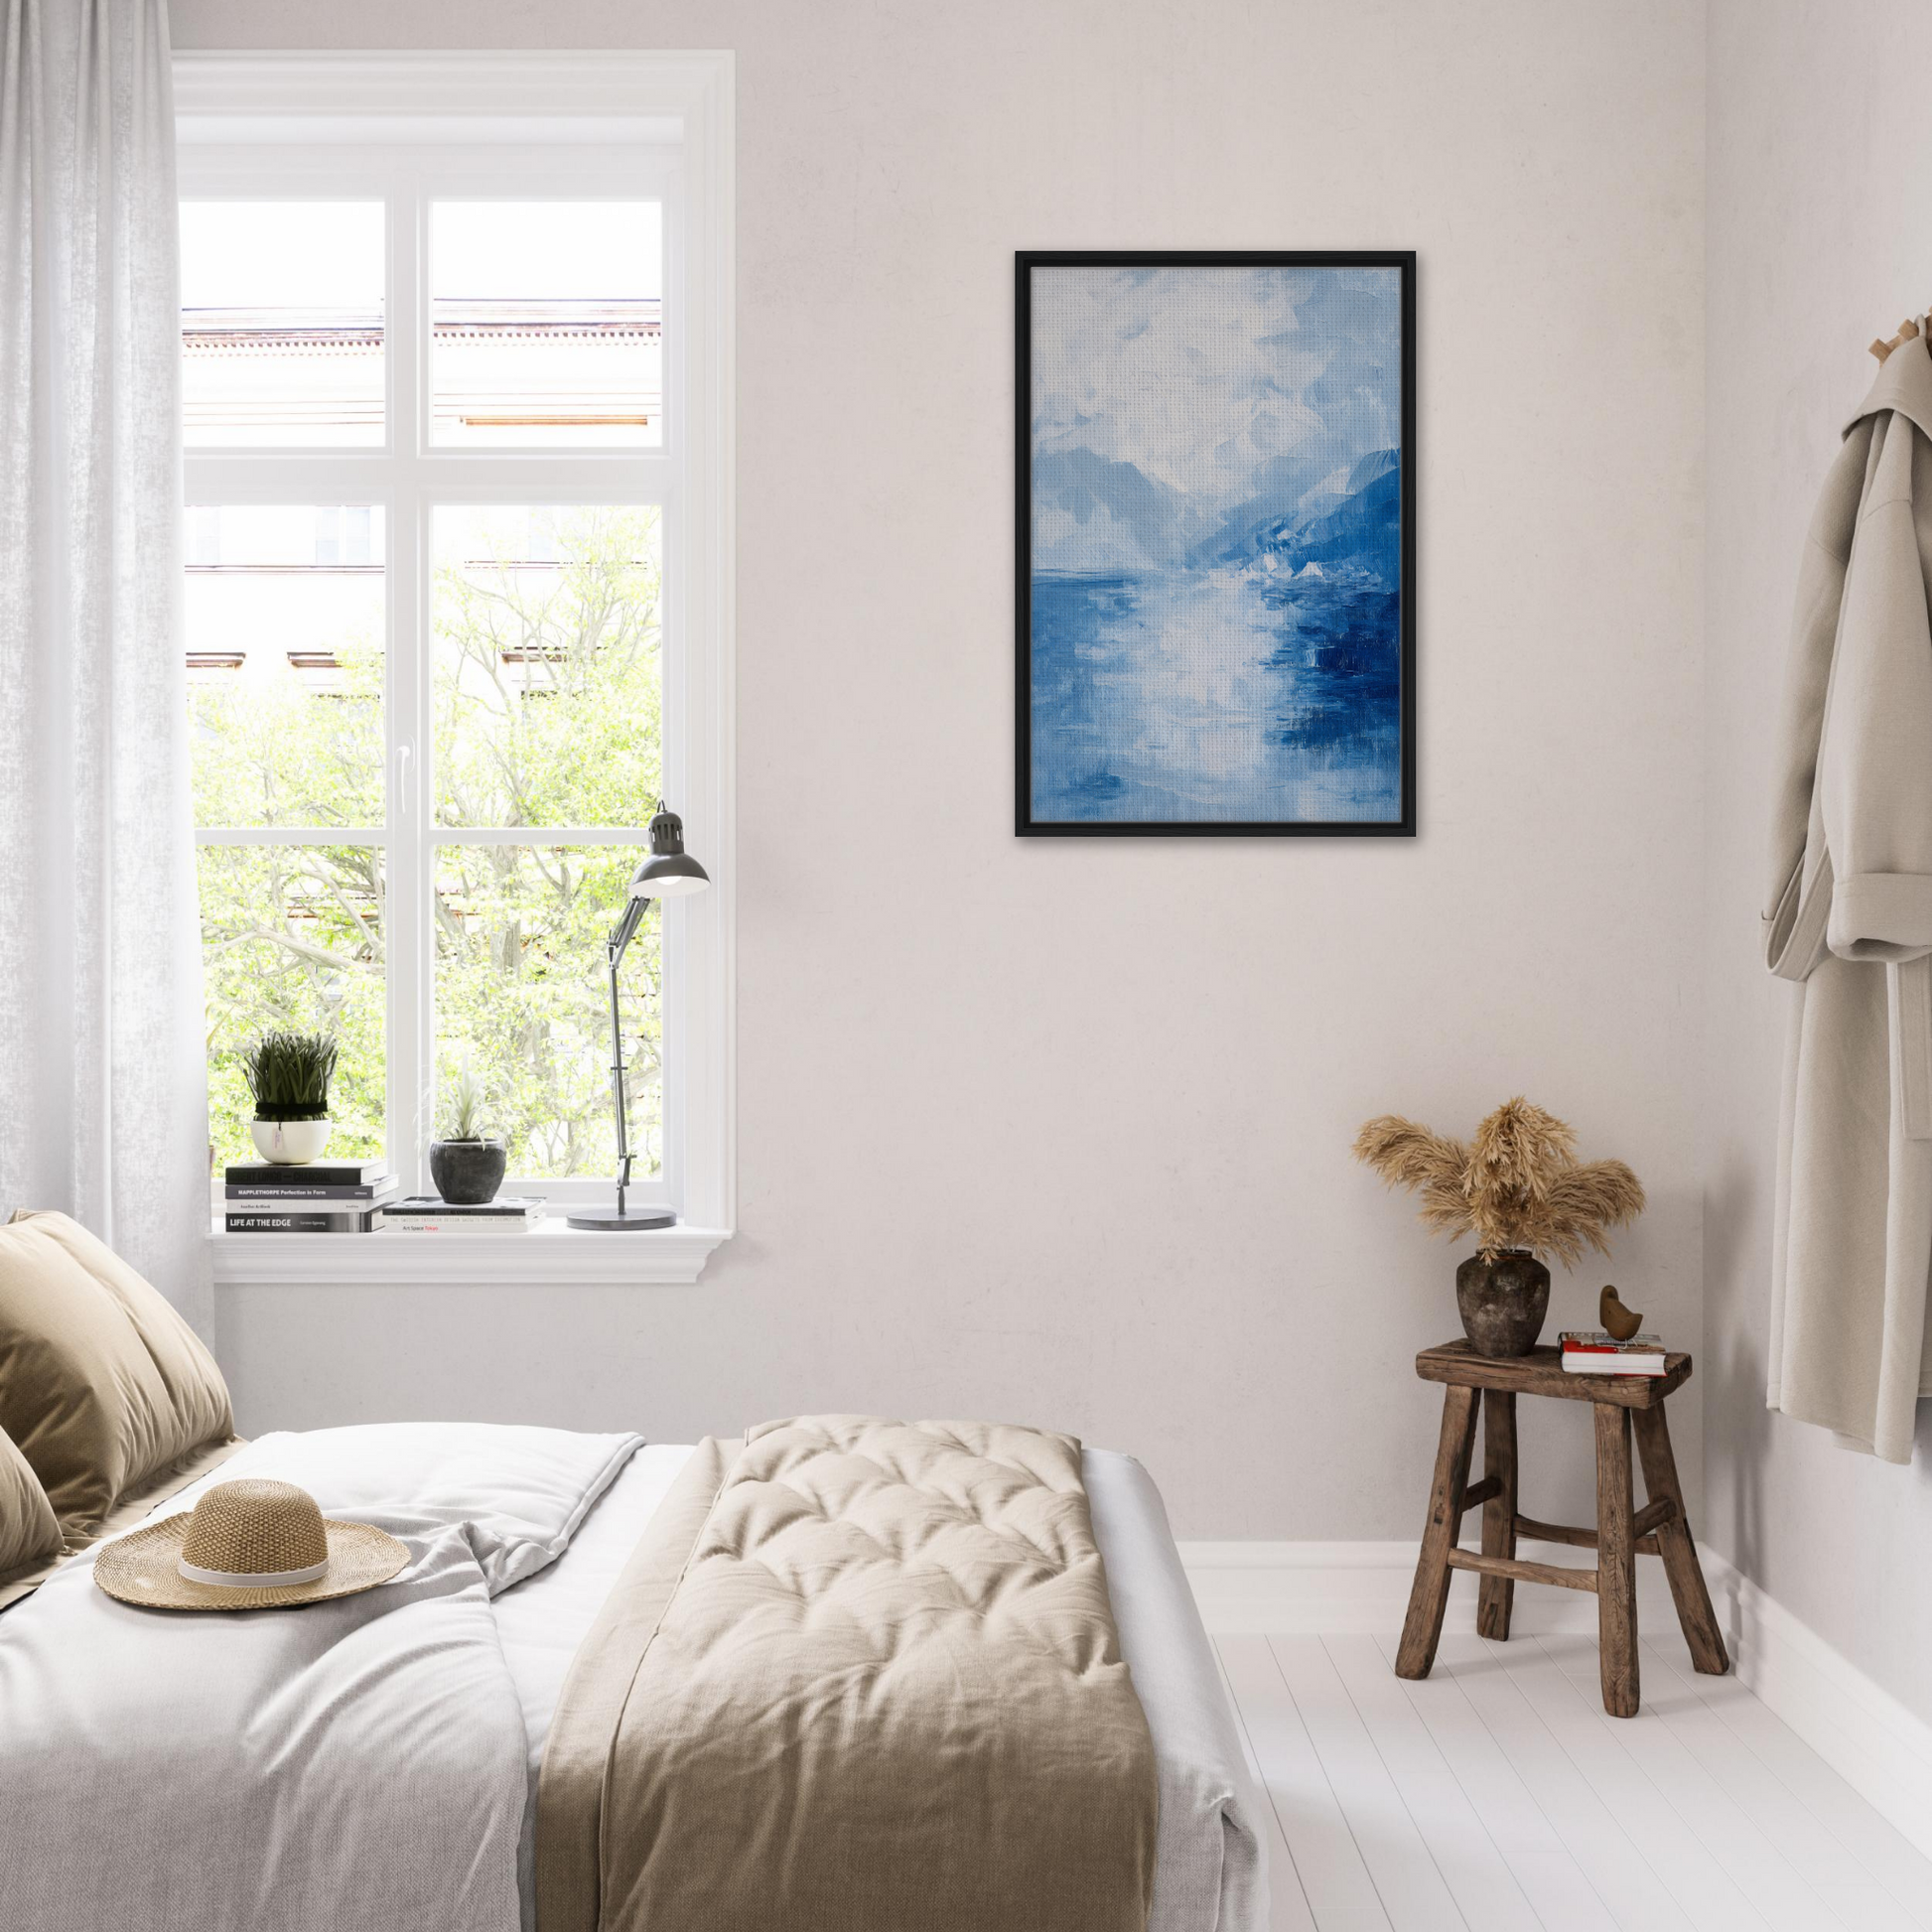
x=522 y=1490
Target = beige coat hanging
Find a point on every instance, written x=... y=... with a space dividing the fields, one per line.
x=1851 y=920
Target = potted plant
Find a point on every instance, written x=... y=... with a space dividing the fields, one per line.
x=289 y=1074
x=468 y=1163
x=1520 y=1189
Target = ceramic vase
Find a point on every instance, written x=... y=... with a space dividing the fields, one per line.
x=1503 y=1299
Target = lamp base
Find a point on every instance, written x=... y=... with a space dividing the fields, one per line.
x=612 y=1220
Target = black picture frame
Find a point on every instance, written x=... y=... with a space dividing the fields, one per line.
x=1024 y=263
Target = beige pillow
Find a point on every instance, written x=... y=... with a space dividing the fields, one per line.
x=102 y=1383
x=29 y=1533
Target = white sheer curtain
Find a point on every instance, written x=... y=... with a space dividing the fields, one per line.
x=102 y=1069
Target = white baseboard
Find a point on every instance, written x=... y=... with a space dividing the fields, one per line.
x=1880 y=1748
x=1346 y=1589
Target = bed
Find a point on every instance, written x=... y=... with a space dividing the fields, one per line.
x=510 y=1580
x=839 y=1674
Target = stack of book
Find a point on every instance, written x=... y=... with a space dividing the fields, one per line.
x=1595 y=1351
x=319 y=1197
x=425 y=1215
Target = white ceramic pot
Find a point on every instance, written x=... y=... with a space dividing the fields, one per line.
x=289 y=1143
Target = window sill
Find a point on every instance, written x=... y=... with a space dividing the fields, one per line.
x=551 y=1253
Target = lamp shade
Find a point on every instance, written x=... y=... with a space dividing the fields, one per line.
x=670 y=872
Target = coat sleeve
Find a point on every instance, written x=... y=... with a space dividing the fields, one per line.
x=1874 y=767
x=1797 y=904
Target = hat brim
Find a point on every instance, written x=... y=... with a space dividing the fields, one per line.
x=143 y=1569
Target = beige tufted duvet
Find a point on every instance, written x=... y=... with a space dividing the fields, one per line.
x=865 y=1668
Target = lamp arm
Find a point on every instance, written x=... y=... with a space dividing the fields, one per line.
x=614 y=947
x=625 y=928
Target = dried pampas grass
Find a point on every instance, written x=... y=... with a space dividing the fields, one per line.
x=1430 y=1164
x=1517 y=1184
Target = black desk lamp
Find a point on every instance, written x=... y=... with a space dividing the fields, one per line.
x=669 y=872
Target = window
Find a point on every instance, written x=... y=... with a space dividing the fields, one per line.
x=457 y=594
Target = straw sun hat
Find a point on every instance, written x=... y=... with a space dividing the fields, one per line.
x=249 y=1545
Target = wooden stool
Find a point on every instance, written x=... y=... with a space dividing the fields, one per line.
x=1621 y=1535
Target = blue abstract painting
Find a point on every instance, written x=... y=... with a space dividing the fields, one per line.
x=1213 y=631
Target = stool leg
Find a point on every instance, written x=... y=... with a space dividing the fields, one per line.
x=1678 y=1547
x=1423 y=1629
x=1617 y=1561
x=1497 y=1596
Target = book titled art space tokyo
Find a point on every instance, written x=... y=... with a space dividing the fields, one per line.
x=1217 y=543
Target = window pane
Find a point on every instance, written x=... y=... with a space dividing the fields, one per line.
x=281 y=324
x=285 y=629
x=522 y=1001
x=546 y=323
x=292 y=938
x=547 y=684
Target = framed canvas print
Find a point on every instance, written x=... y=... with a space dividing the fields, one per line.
x=1216 y=544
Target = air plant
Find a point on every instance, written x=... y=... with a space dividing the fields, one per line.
x=1517 y=1184
x=289 y=1075
x=464 y=1112
x=462 y=1116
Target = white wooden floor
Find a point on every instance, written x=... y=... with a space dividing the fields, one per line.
x=1497 y=1796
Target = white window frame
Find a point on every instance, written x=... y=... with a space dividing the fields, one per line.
x=405 y=127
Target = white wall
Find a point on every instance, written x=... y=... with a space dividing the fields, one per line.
x=1025 y=1131
x=1820 y=239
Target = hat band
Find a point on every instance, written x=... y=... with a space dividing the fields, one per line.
x=252 y=1579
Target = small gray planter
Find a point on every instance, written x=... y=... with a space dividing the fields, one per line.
x=467 y=1173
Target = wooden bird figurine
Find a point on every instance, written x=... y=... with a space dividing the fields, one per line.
x=1615 y=1317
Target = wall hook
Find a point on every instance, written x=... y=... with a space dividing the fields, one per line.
x=1907 y=332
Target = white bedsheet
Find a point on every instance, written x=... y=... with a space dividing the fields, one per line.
x=351 y=1766
x=1211 y=1876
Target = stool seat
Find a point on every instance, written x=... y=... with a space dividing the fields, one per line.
x=1541 y=1372
x=1621 y=1403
